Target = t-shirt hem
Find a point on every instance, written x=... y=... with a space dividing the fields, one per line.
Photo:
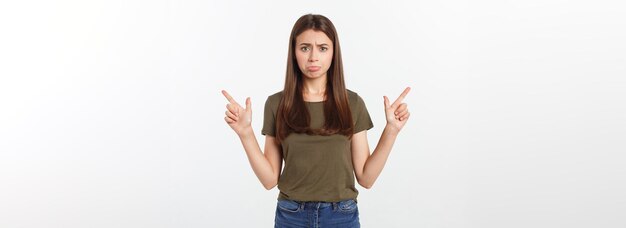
x=267 y=133
x=281 y=197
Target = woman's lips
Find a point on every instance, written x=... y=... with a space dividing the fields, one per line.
x=313 y=68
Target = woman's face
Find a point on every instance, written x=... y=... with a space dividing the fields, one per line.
x=314 y=52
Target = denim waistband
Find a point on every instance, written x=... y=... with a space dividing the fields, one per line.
x=318 y=204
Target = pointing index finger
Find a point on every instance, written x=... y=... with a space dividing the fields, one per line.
x=402 y=96
x=230 y=99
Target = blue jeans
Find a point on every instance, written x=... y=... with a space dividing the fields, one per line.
x=290 y=213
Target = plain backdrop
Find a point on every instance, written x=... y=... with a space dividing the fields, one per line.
x=112 y=116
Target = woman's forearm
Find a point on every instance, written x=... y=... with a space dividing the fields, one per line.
x=376 y=162
x=259 y=163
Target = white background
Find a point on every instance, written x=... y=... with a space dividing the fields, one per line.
x=112 y=116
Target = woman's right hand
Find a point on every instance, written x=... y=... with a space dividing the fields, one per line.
x=238 y=118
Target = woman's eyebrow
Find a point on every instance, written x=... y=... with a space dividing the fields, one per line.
x=308 y=44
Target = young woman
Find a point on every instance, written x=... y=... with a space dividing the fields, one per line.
x=319 y=128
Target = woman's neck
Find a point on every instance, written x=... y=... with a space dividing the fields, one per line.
x=314 y=89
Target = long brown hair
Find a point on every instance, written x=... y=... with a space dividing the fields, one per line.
x=293 y=116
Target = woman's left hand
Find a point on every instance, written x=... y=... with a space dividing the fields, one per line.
x=397 y=113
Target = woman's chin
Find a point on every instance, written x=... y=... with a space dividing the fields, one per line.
x=313 y=75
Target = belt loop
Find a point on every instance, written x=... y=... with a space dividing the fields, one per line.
x=334 y=206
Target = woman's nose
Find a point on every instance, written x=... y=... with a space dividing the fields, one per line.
x=313 y=56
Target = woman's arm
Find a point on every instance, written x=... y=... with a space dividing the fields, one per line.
x=368 y=167
x=266 y=165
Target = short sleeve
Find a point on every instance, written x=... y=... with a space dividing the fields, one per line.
x=363 y=120
x=269 y=118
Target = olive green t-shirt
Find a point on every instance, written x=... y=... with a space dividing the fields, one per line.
x=317 y=168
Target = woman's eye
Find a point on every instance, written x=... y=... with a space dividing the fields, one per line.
x=324 y=48
x=304 y=48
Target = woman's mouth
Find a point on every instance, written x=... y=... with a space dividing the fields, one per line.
x=313 y=68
